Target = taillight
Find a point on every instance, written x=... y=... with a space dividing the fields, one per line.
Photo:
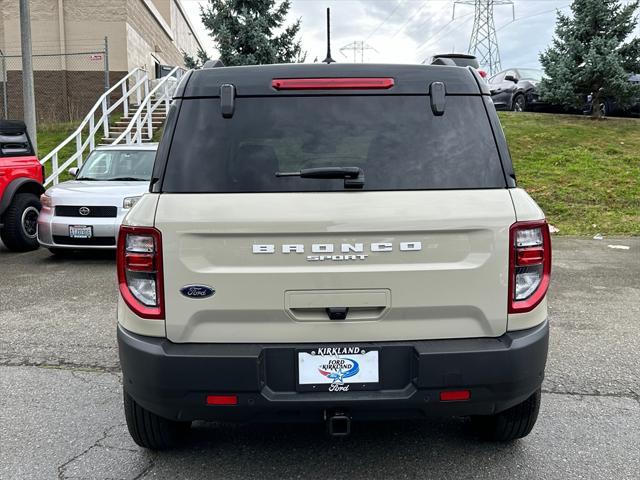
x=482 y=73
x=529 y=264
x=140 y=270
x=366 y=83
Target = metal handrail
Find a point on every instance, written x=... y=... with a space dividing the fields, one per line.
x=140 y=80
x=139 y=122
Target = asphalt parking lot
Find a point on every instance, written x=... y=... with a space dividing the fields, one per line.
x=60 y=390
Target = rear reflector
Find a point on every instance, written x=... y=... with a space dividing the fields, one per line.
x=332 y=83
x=529 y=256
x=139 y=262
x=222 y=399
x=455 y=396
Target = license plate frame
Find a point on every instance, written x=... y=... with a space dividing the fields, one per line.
x=81 y=231
x=309 y=361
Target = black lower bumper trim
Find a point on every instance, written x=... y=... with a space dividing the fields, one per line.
x=173 y=380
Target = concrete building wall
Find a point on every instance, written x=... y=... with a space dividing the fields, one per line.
x=68 y=78
x=185 y=38
x=65 y=26
x=157 y=39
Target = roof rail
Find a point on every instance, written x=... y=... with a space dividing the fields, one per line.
x=213 y=63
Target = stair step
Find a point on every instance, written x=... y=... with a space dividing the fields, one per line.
x=159 y=108
x=153 y=119
x=154 y=123
x=111 y=139
x=105 y=143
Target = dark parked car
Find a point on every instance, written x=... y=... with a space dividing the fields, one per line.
x=609 y=105
x=515 y=89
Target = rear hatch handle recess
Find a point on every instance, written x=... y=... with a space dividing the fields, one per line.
x=437 y=93
x=227 y=100
x=353 y=176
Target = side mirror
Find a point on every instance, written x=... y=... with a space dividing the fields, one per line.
x=511 y=78
x=73 y=171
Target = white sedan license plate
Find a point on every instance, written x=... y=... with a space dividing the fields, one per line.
x=338 y=369
x=80 y=231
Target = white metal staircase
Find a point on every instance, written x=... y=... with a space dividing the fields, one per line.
x=144 y=104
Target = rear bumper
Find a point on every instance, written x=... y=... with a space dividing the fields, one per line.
x=53 y=230
x=173 y=380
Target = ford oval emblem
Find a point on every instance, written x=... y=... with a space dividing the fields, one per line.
x=197 y=291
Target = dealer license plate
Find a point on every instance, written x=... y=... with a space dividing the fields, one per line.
x=338 y=369
x=80 y=231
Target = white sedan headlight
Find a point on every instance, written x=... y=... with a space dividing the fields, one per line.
x=129 y=202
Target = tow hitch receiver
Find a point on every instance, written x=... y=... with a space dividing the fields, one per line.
x=338 y=424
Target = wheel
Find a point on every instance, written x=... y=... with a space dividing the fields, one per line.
x=149 y=430
x=21 y=223
x=603 y=109
x=519 y=103
x=511 y=424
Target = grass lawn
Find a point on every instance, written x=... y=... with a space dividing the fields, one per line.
x=584 y=174
x=52 y=135
x=49 y=137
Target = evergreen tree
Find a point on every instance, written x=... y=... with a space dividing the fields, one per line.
x=244 y=31
x=197 y=61
x=590 y=55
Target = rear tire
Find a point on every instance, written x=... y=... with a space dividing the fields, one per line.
x=151 y=431
x=516 y=422
x=20 y=223
x=519 y=103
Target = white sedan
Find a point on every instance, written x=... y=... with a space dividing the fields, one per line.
x=86 y=213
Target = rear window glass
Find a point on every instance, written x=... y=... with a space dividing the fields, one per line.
x=396 y=140
x=14 y=145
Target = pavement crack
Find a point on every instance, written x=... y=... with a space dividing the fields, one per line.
x=631 y=394
x=62 y=467
x=147 y=469
x=60 y=365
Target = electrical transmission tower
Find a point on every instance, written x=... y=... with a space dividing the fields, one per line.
x=484 y=42
x=357 y=46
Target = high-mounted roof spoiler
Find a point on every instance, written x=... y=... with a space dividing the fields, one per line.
x=213 y=63
x=443 y=61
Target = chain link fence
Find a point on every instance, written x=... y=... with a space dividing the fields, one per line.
x=66 y=85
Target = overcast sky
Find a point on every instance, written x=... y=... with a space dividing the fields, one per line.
x=408 y=31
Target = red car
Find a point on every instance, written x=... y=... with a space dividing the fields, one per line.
x=21 y=179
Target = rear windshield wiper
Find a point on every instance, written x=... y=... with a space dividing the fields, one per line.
x=353 y=176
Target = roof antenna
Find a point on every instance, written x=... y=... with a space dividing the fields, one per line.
x=328 y=60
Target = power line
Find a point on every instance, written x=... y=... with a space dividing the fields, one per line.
x=400 y=2
x=410 y=19
x=434 y=35
x=532 y=15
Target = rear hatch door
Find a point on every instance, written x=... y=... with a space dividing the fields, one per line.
x=420 y=252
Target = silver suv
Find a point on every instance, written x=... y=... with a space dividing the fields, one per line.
x=332 y=243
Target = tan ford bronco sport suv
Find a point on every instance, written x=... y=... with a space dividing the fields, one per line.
x=332 y=243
